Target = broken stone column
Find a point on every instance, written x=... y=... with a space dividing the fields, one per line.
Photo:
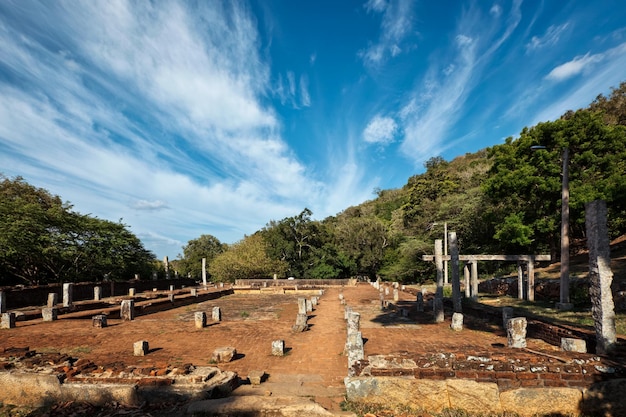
x=131 y=292
x=3 y=302
x=420 y=302
x=507 y=313
x=53 y=299
x=68 y=289
x=278 y=348
x=49 y=313
x=223 y=354
x=454 y=266
x=457 y=322
x=438 y=301
x=97 y=293
x=569 y=344
x=396 y=295
x=127 y=310
x=171 y=297
x=204 y=271
x=141 y=348
x=99 y=321
x=194 y=292
x=7 y=320
x=301 y=323
x=354 y=351
x=354 y=322
x=200 y=319
x=216 y=314
x=346 y=312
x=309 y=305
x=601 y=276
x=466 y=279
x=302 y=306
x=516 y=332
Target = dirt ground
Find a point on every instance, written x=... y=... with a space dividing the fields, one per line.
x=314 y=365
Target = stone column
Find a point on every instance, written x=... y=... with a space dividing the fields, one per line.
x=68 y=289
x=601 y=275
x=3 y=302
x=194 y=292
x=516 y=332
x=396 y=295
x=53 y=299
x=200 y=319
x=438 y=302
x=354 y=322
x=302 y=306
x=454 y=265
x=301 y=323
x=49 y=313
x=520 y=281
x=309 y=305
x=141 y=348
x=474 y=278
x=530 y=270
x=278 y=347
x=7 y=320
x=216 y=314
x=131 y=292
x=127 y=310
x=204 y=271
x=457 y=322
x=99 y=321
x=466 y=279
x=166 y=265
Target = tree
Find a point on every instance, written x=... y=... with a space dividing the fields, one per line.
x=246 y=259
x=206 y=246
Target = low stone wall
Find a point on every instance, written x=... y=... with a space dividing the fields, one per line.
x=293 y=282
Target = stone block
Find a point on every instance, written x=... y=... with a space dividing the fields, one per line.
x=301 y=323
x=309 y=305
x=53 y=299
x=457 y=322
x=68 y=293
x=131 y=292
x=97 y=293
x=570 y=344
x=49 y=313
x=302 y=306
x=194 y=292
x=200 y=319
x=278 y=348
x=127 y=310
x=472 y=396
x=256 y=377
x=99 y=321
x=7 y=321
x=516 y=332
x=171 y=297
x=216 y=314
x=141 y=348
x=529 y=402
x=223 y=354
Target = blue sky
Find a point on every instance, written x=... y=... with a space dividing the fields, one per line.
x=189 y=118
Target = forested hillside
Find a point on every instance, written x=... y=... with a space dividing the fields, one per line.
x=504 y=199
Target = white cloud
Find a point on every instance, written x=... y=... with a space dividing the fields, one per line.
x=376 y=5
x=574 y=67
x=304 y=91
x=381 y=130
x=550 y=38
x=396 y=26
x=149 y=205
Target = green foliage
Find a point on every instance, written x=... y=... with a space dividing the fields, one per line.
x=42 y=240
x=206 y=246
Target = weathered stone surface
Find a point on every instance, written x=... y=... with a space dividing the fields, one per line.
x=309 y=305
x=216 y=314
x=68 y=292
x=223 y=354
x=141 y=348
x=457 y=322
x=127 y=310
x=605 y=399
x=472 y=396
x=131 y=292
x=528 y=402
x=49 y=313
x=7 y=320
x=516 y=332
x=390 y=362
x=258 y=405
x=354 y=322
x=256 y=377
x=99 y=321
x=100 y=394
x=97 y=293
x=278 y=348
x=302 y=306
x=200 y=319
x=396 y=295
x=28 y=389
x=420 y=394
x=53 y=299
x=570 y=344
x=301 y=323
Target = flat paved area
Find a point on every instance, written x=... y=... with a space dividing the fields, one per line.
x=314 y=365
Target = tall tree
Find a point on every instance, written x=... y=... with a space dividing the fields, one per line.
x=206 y=246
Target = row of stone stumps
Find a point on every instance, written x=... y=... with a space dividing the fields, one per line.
x=354 y=348
x=305 y=306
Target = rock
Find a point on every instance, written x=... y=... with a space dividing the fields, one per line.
x=570 y=344
x=223 y=354
x=256 y=377
x=528 y=402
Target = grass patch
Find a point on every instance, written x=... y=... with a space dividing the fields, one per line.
x=245 y=314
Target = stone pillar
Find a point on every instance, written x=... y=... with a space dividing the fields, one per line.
x=166 y=266
x=516 y=332
x=314 y=301
x=99 y=321
x=216 y=314
x=278 y=348
x=127 y=310
x=520 y=281
x=49 y=313
x=474 y=278
x=302 y=306
x=457 y=322
x=68 y=289
x=530 y=270
x=3 y=302
x=53 y=299
x=131 y=292
x=301 y=323
x=354 y=350
x=194 y=292
x=172 y=288
x=200 y=319
x=204 y=271
x=354 y=322
x=601 y=276
x=466 y=279
x=309 y=305
x=171 y=297
x=420 y=302
x=396 y=295
x=507 y=313
x=454 y=265
x=141 y=348
x=97 y=293
x=438 y=302
x=7 y=321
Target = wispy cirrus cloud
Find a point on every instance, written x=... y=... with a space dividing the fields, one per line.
x=550 y=38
